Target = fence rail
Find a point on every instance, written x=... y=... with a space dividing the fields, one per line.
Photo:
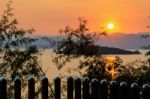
x=80 y=89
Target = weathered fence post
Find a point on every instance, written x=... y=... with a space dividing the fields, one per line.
x=57 y=82
x=95 y=89
x=69 y=87
x=17 y=88
x=3 y=88
x=103 y=91
x=113 y=90
x=145 y=91
x=77 y=88
x=86 y=88
x=134 y=91
x=31 y=88
x=44 y=88
x=124 y=91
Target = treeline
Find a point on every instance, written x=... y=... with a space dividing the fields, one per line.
x=112 y=50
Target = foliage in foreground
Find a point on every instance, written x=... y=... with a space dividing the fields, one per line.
x=18 y=54
x=78 y=43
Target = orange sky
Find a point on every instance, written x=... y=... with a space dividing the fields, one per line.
x=47 y=16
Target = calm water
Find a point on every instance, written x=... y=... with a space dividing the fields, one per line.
x=51 y=69
x=46 y=61
x=130 y=58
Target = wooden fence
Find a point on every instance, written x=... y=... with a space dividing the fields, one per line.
x=80 y=89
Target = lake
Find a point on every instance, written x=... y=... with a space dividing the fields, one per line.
x=51 y=70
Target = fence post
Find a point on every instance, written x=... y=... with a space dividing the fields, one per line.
x=103 y=91
x=17 y=87
x=86 y=88
x=94 y=85
x=57 y=82
x=31 y=88
x=113 y=90
x=124 y=91
x=44 y=88
x=134 y=91
x=145 y=91
x=77 y=88
x=3 y=88
x=69 y=87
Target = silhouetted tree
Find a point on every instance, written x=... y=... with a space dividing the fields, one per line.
x=137 y=71
x=77 y=43
x=18 y=54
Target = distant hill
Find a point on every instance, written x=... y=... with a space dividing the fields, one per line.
x=118 y=40
x=112 y=50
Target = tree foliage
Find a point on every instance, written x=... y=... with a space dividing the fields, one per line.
x=18 y=54
x=79 y=43
x=137 y=71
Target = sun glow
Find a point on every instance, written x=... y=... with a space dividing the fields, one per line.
x=110 y=26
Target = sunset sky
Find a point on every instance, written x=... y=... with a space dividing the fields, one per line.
x=48 y=16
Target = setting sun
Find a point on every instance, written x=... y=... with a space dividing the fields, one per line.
x=110 y=26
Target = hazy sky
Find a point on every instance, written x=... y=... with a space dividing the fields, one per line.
x=47 y=16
